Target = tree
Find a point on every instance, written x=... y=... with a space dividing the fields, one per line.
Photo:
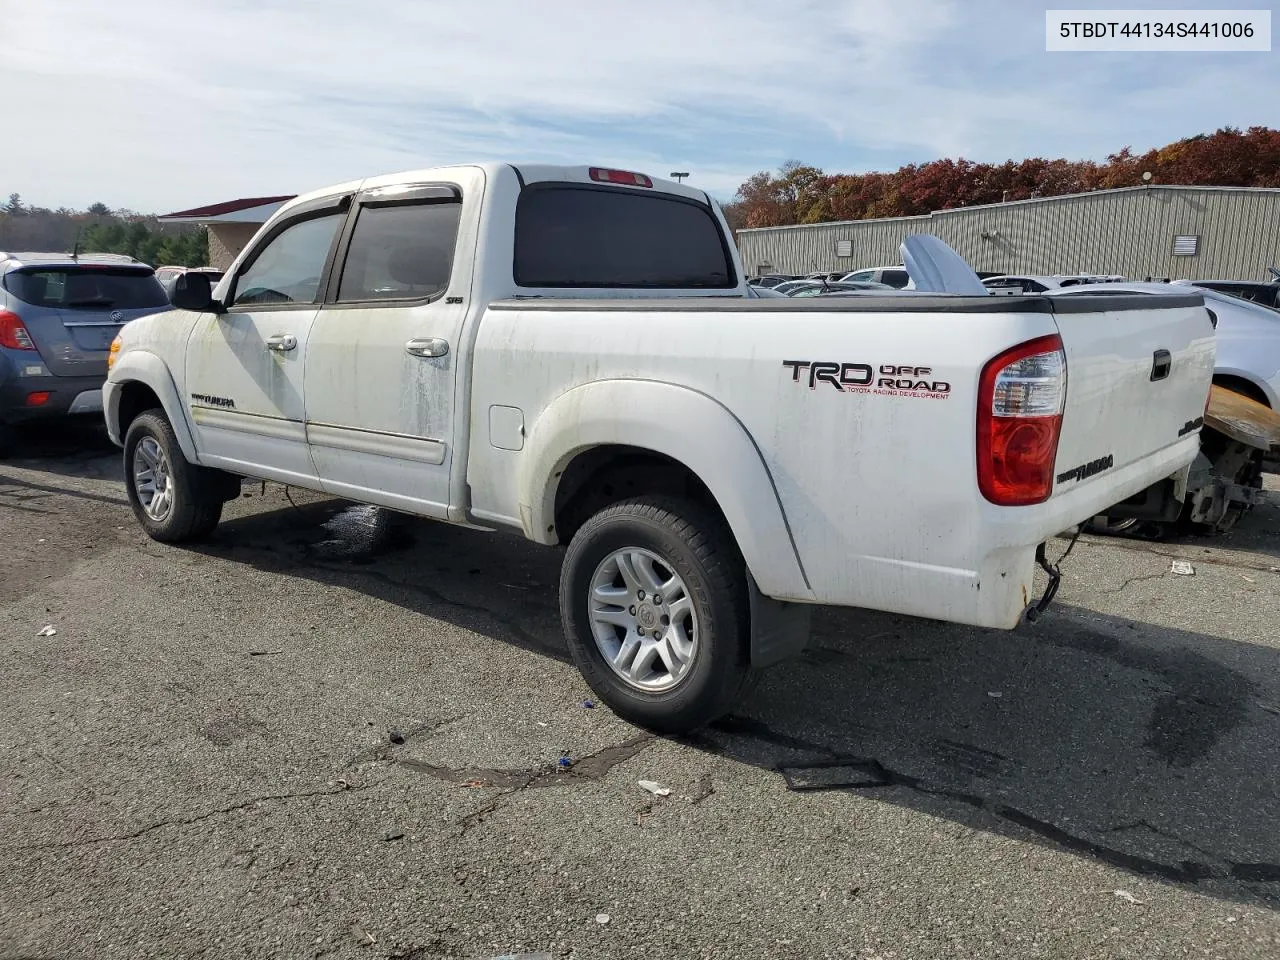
x=735 y=215
x=99 y=210
x=799 y=193
x=148 y=243
x=14 y=207
x=789 y=198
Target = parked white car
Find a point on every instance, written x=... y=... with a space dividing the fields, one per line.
x=570 y=353
x=787 y=286
x=1265 y=292
x=1248 y=335
x=1033 y=283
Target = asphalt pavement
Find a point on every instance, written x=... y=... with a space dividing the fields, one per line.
x=321 y=734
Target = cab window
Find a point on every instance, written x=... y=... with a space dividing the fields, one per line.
x=400 y=252
x=288 y=268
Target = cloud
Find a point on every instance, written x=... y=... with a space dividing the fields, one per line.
x=153 y=108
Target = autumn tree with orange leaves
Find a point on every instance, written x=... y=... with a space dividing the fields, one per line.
x=800 y=193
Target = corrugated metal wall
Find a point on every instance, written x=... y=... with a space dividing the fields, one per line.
x=1128 y=231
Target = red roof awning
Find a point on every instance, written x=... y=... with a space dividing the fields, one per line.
x=229 y=206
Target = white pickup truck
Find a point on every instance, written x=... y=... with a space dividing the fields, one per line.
x=570 y=353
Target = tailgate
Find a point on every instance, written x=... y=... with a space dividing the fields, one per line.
x=1139 y=369
x=74 y=343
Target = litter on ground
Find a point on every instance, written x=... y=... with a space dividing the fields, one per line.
x=657 y=789
x=1182 y=568
x=48 y=631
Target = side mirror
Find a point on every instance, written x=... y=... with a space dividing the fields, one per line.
x=192 y=291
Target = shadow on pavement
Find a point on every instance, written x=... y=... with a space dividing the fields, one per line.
x=74 y=447
x=1151 y=749
x=1257 y=533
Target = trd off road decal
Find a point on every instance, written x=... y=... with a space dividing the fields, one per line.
x=887 y=379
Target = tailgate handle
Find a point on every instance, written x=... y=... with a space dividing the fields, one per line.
x=1161 y=362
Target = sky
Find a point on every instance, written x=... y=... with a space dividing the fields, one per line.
x=157 y=105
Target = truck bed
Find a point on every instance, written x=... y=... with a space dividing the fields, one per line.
x=877 y=483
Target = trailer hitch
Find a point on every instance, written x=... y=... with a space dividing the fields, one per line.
x=1054 y=570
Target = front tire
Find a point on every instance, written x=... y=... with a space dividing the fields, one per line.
x=175 y=501
x=653 y=597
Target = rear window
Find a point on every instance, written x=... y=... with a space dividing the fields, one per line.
x=570 y=236
x=87 y=288
x=896 y=278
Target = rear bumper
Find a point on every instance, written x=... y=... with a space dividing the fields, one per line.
x=998 y=588
x=68 y=396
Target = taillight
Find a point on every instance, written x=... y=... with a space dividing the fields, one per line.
x=13 y=334
x=1020 y=400
x=39 y=398
x=600 y=175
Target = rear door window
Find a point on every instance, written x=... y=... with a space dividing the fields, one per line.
x=895 y=278
x=400 y=252
x=87 y=288
x=577 y=236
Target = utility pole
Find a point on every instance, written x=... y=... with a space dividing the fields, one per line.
x=678 y=177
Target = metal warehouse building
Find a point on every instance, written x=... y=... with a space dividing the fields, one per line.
x=1225 y=233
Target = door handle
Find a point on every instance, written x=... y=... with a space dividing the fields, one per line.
x=1161 y=363
x=430 y=347
x=282 y=342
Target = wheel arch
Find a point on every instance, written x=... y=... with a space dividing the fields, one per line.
x=677 y=431
x=139 y=377
x=1243 y=382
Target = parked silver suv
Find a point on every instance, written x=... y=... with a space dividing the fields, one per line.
x=58 y=316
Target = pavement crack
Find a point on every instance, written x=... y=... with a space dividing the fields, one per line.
x=703 y=788
x=1130 y=582
x=1136 y=547
x=593 y=767
x=189 y=821
x=867 y=773
x=816 y=767
x=382 y=752
x=477 y=817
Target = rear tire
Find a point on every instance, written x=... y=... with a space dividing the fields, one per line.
x=669 y=663
x=175 y=501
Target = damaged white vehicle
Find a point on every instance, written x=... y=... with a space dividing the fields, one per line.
x=570 y=353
